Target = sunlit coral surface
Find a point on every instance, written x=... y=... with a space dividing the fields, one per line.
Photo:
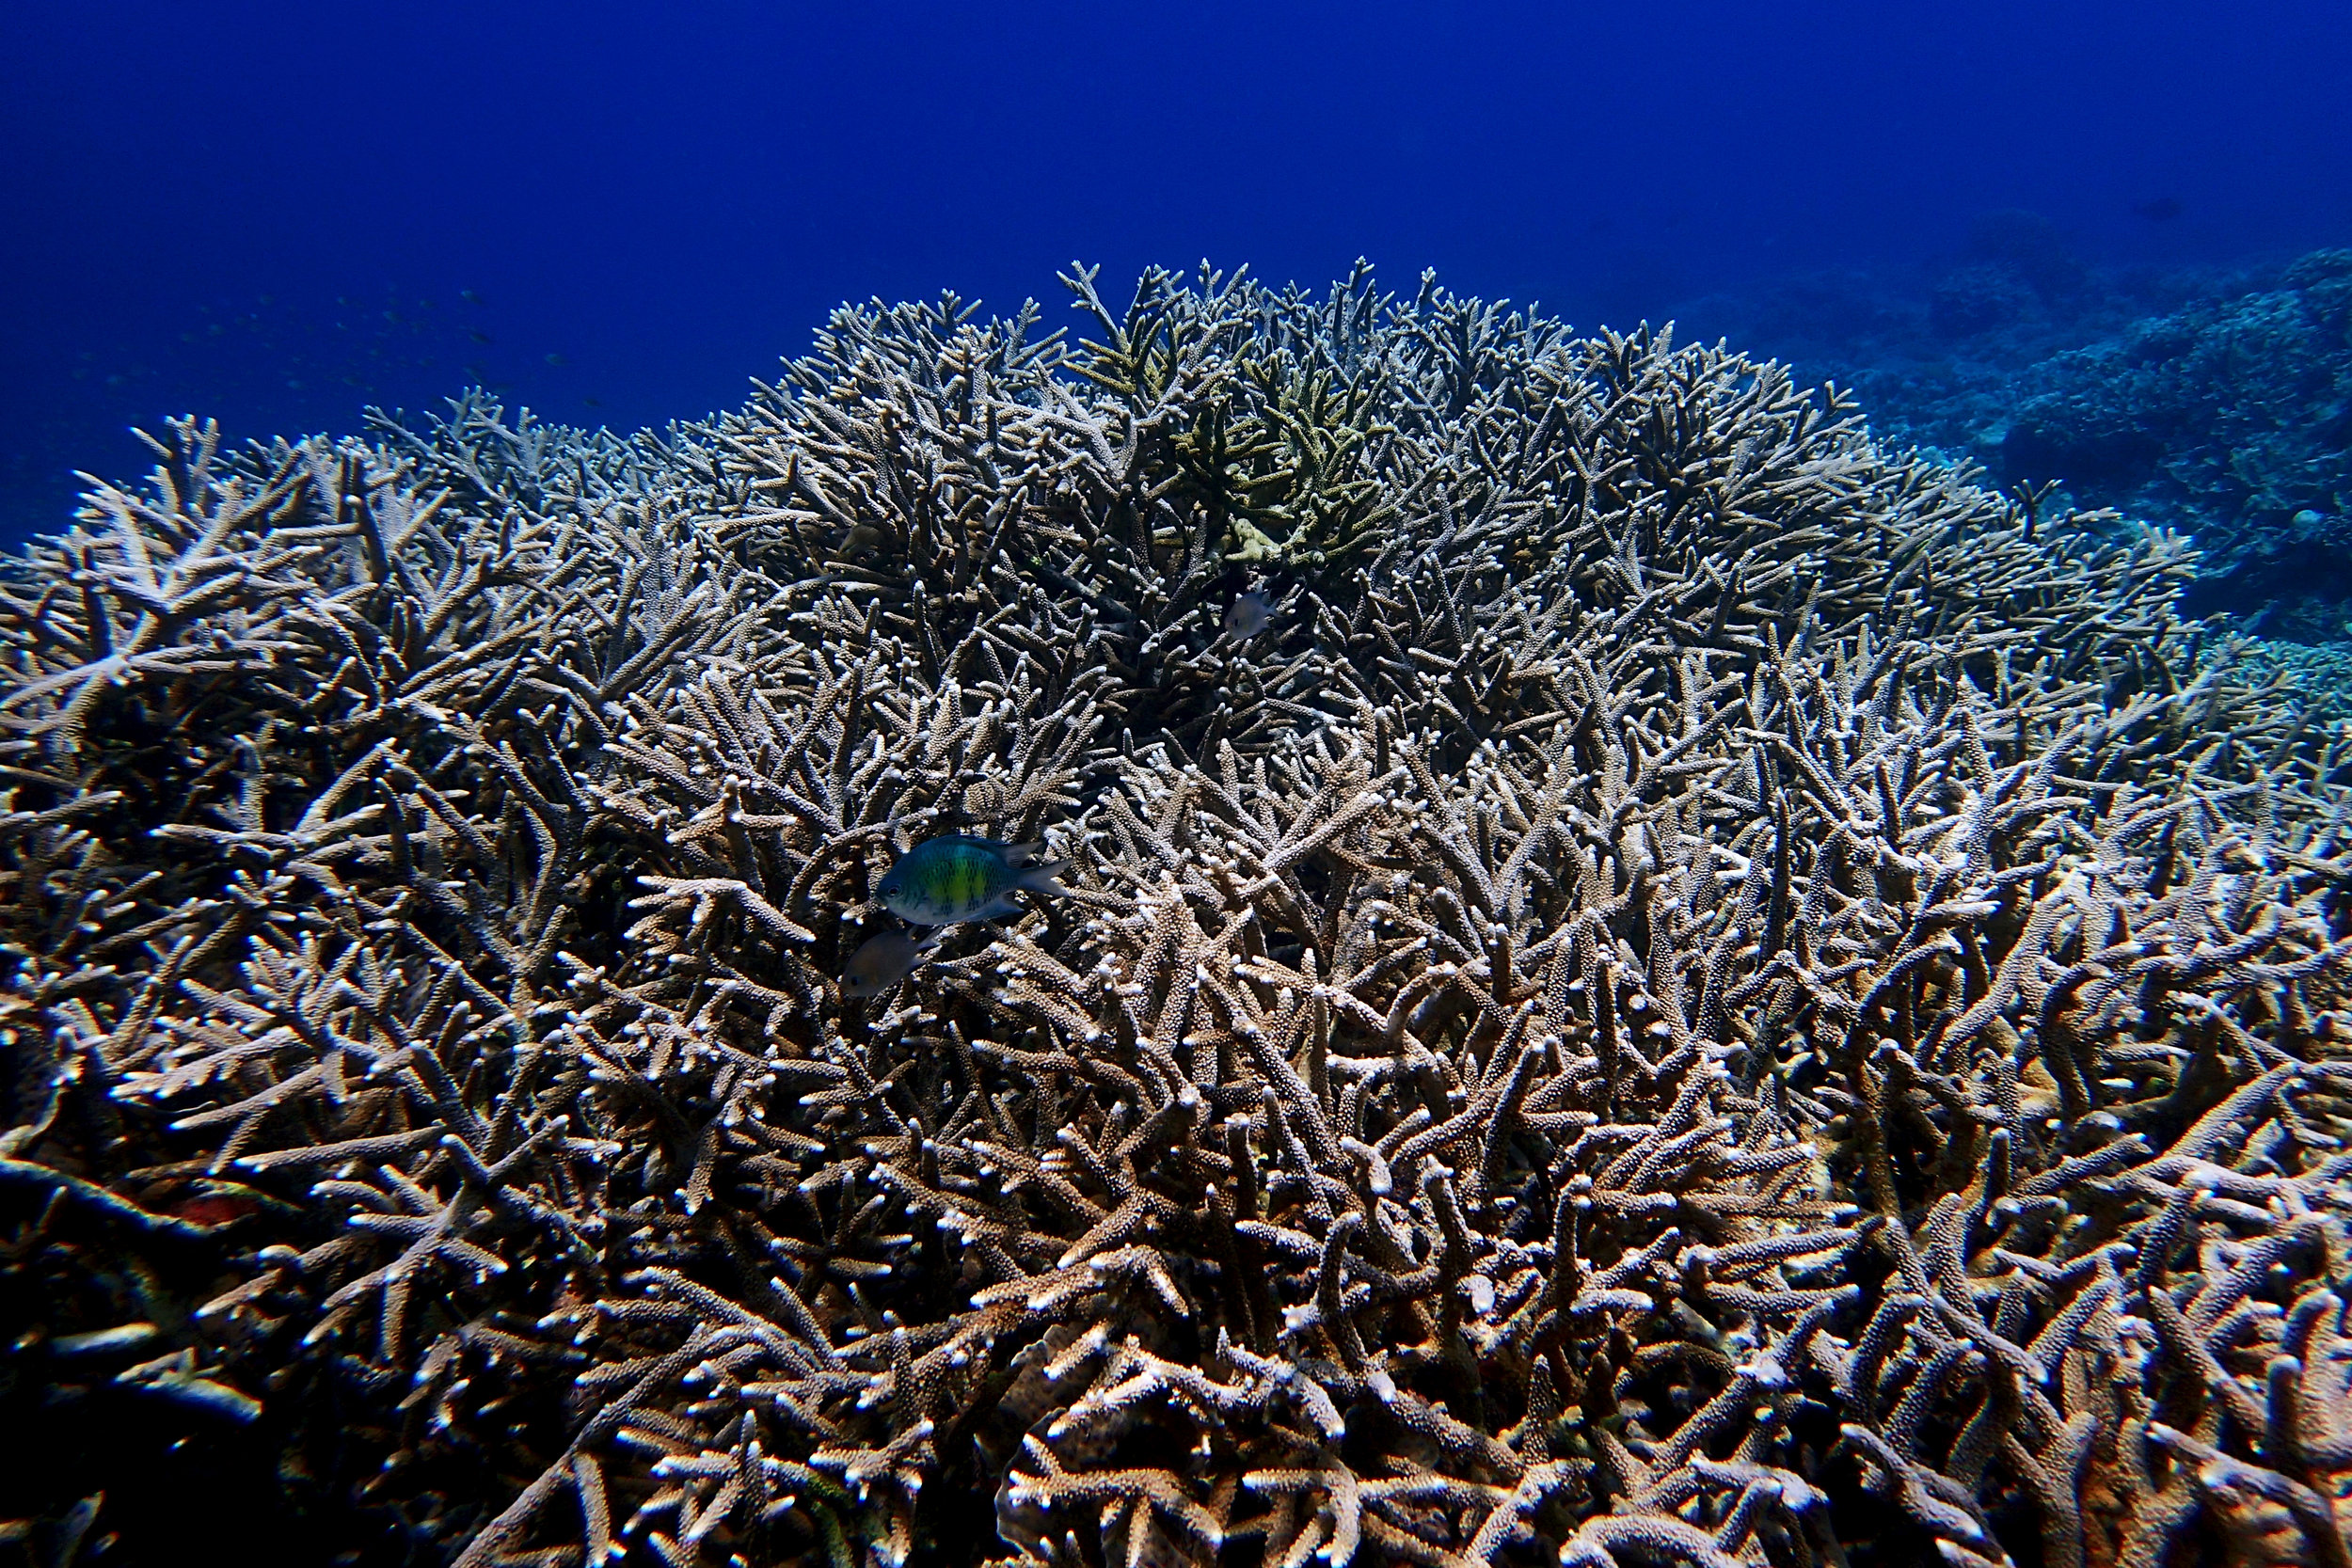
x=1703 y=992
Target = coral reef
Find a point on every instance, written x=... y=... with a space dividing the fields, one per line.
x=1700 y=992
x=2233 y=417
x=2013 y=264
x=2261 y=382
x=2220 y=405
x=1977 y=298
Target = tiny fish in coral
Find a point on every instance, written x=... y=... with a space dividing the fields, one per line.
x=881 y=961
x=942 y=881
x=1248 y=615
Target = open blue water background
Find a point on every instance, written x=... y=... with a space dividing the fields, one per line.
x=280 y=214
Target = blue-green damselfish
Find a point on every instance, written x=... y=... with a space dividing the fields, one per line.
x=942 y=881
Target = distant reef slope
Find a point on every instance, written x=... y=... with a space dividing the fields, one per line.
x=1701 y=992
x=2230 y=417
x=2218 y=403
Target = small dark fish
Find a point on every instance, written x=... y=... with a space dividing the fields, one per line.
x=557 y=360
x=477 y=335
x=469 y=296
x=880 y=962
x=2162 y=209
x=1248 y=615
x=942 y=881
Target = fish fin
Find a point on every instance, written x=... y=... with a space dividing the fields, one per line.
x=1019 y=855
x=1040 y=878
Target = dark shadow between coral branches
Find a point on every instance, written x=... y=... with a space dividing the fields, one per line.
x=171 y=1482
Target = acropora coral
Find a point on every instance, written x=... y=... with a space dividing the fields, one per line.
x=1706 y=993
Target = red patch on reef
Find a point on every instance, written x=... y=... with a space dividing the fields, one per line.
x=210 y=1208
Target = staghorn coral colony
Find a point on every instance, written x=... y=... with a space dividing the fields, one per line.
x=1699 y=992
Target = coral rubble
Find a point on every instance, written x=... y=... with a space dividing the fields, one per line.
x=1703 y=993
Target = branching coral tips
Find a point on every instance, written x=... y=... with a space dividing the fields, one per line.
x=944 y=880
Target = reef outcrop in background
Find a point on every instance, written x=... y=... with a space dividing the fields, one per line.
x=1694 y=967
x=2238 y=410
x=2216 y=403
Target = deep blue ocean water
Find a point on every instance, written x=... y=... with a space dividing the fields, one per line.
x=279 y=214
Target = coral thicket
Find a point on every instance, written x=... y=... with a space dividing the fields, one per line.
x=1704 y=993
